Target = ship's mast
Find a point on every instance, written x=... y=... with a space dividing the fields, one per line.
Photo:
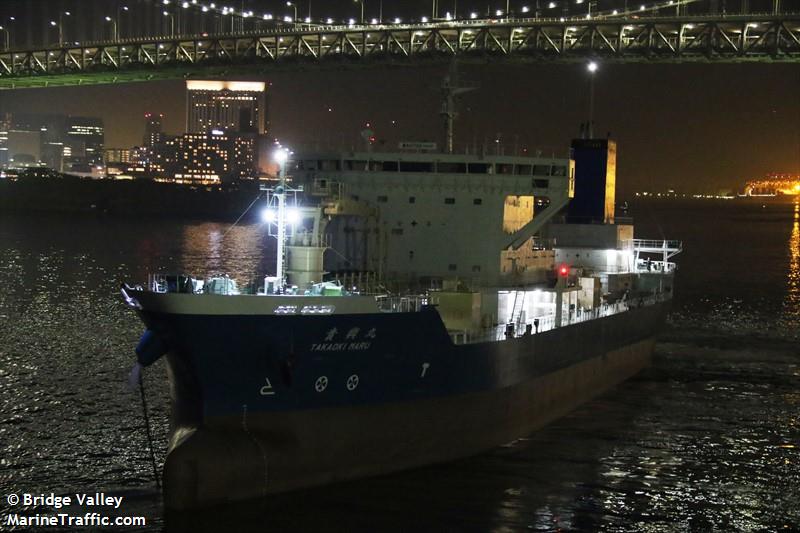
x=281 y=155
x=450 y=90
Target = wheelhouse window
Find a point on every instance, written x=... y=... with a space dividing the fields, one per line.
x=523 y=170
x=416 y=166
x=480 y=168
x=446 y=167
x=541 y=170
x=351 y=164
x=504 y=168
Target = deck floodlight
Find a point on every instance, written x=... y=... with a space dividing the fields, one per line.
x=292 y=216
x=280 y=156
x=268 y=215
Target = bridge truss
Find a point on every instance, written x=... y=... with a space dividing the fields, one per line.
x=650 y=39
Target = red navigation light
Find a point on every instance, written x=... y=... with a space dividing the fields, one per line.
x=563 y=270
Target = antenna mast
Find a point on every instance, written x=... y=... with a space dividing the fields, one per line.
x=450 y=90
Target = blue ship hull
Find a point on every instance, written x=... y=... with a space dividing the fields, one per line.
x=265 y=403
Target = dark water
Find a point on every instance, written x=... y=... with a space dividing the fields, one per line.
x=708 y=439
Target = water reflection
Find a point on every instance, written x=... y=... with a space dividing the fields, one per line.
x=792 y=301
x=241 y=252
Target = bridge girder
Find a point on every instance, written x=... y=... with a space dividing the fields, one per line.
x=651 y=39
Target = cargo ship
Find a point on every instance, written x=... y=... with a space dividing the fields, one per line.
x=425 y=306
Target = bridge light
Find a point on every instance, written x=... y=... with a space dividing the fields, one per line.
x=212 y=5
x=424 y=19
x=499 y=13
x=329 y=21
x=108 y=19
x=307 y=20
x=614 y=12
x=185 y=5
x=473 y=15
x=53 y=23
x=373 y=21
x=641 y=7
x=351 y=22
x=287 y=19
x=753 y=25
x=592 y=67
x=525 y=9
x=204 y=9
x=166 y=2
x=397 y=20
x=551 y=5
x=267 y=16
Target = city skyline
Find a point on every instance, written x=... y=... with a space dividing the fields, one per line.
x=739 y=122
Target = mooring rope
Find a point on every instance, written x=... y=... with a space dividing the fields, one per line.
x=149 y=433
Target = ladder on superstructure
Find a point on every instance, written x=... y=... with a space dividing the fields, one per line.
x=519 y=307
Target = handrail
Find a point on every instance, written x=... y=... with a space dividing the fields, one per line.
x=548 y=322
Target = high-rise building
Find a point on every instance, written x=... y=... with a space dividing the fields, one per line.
x=66 y=144
x=202 y=159
x=5 y=127
x=117 y=155
x=85 y=138
x=49 y=130
x=153 y=132
x=228 y=106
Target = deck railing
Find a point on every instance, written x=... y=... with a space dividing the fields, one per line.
x=544 y=323
x=401 y=304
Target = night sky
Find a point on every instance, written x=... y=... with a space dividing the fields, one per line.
x=692 y=127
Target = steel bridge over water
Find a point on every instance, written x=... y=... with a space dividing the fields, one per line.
x=710 y=38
